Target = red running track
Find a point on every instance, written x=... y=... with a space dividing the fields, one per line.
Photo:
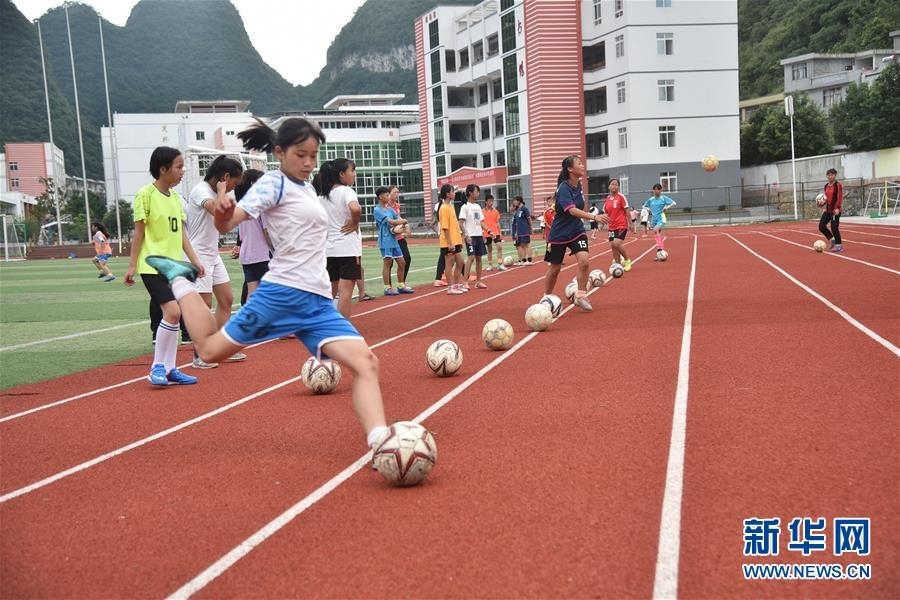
x=554 y=455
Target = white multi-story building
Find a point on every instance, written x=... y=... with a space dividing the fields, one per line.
x=642 y=90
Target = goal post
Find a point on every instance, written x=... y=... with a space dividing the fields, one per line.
x=197 y=160
x=12 y=248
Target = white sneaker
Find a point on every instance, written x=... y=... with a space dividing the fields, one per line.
x=199 y=363
x=584 y=304
x=237 y=357
x=501 y=268
x=454 y=291
x=487 y=268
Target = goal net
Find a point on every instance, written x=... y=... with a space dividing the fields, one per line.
x=12 y=249
x=198 y=159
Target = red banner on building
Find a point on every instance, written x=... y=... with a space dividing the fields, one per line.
x=481 y=177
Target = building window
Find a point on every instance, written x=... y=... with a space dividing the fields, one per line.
x=593 y=57
x=598 y=19
x=14 y=183
x=510 y=76
x=666 y=89
x=13 y=165
x=623 y=185
x=597 y=145
x=514 y=187
x=830 y=97
x=229 y=132
x=440 y=164
x=508 y=31
x=620 y=8
x=620 y=92
x=663 y=3
x=667 y=136
x=463 y=58
x=620 y=46
x=798 y=71
x=506 y=4
x=437 y=102
x=435 y=67
x=498 y=124
x=664 y=43
x=433 y=34
x=200 y=135
x=450 y=60
x=477 y=52
x=485 y=128
x=483 y=94
x=669 y=181
x=497 y=90
x=438 y=136
x=512 y=115
x=514 y=154
x=486 y=161
x=493 y=45
x=595 y=101
x=623 y=138
x=500 y=158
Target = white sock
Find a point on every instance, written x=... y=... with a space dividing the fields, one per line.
x=376 y=434
x=166 y=344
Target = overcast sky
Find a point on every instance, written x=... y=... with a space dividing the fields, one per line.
x=269 y=23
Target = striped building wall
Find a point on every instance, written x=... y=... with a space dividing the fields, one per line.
x=422 y=88
x=555 y=85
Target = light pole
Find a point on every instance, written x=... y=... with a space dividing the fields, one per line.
x=789 y=111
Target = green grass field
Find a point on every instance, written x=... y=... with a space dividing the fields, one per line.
x=57 y=318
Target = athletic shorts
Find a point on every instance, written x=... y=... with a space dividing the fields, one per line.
x=557 y=251
x=158 y=288
x=644 y=223
x=392 y=253
x=457 y=249
x=216 y=273
x=254 y=272
x=523 y=240
x=343 y=267
x=102 y=258
x=617 y=234
x=595 y=225
x=654 y=223
x=477 y=247
x=275 y=311
x=488 y=240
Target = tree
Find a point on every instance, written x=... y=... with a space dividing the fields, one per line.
x=73 y=208
x=126 y=215
x=869 y=117
x=769 y=133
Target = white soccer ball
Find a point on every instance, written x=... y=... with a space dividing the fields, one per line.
x=406 y=455
x=397 y=229
x=497 y=334
x=821 y=200
x=662 y=255
x=597 y=277
x=616 y=270
x=709 y=163
x=538 y=317
x=819 y=246
x=508 y=261
x=552 y=302
x=571 y=289
x=320 y=376
x=444 y=358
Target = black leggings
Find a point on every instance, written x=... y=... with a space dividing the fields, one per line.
x=404 y=247
x=835 y=226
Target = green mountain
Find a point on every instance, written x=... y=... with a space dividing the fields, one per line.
x=151 y=66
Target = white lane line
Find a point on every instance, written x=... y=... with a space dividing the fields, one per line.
x=844 y=314
x=665 y=582
x=854 y=241
x=835 y=254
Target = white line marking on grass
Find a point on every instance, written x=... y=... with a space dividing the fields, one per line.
x=665 y=583
x=846 y=316
x=72 y=336
x=835 y=254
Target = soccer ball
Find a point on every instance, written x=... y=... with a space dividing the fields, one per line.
x=444 y=358
x=709 y=163
x=552 y=302
x=538 y=317
x=320 y=376
x=662 y=255
x=571 y=289
x=819 y=246
x=406 y=455
x=508 y=261
x=820 y=200
x=616 y=270
x=497 y=334
x=597 y=277
x=398 y=229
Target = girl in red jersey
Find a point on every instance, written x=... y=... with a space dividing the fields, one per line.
x=616 y=208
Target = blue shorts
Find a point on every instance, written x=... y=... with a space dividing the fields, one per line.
x=654 y=223
x=102 y=257
x=522 y=240
x=276 y=310
x=391 y=252
x=477 y=247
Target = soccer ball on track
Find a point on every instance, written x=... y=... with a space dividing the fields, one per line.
x=616 y=270
x=662 y=255
x=571 y=289
x=508 y=261
x=819 y=246
x=597 y=278
x=538 y=317
x=406 y=455
x=320 y=376
x=444 y=358
x=497 y=334
x=553 y=303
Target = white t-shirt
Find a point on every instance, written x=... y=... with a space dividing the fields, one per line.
x=471 y=214
x=297 y=225
x=201 y=226
x=337 y=205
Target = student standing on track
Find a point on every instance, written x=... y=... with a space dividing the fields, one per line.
x=159 y=230
x=343 y=246
x=657 y=204
x=295 y=295
x=102 y=251
x=521 y=231
x=394 y=202
x=385 y=219
x=834 y=205
x=567 y=231
x=594 y=225
x=222 y=175
x=549 y=215
x=491 y=232
x=616 y=209
x=472 y=218
x=255 y=250
x=451 y=241
x=645 y=216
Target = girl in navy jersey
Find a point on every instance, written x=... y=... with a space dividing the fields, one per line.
x=294 y=296
x=567 y=230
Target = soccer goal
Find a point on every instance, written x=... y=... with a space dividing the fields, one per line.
x=12 y=249
x=198 y=159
